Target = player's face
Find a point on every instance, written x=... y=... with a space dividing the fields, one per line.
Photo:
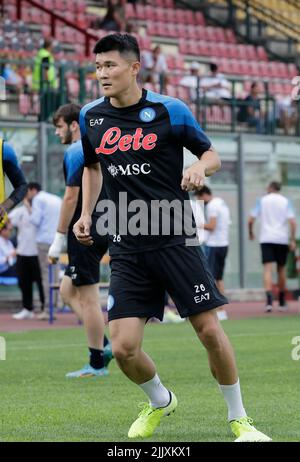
x=115 y=72
x=62 y=130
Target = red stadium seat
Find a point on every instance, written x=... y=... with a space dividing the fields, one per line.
x=192 y=48
x=183 y=47
x=129 y=11
x=230 y=37
x=159 y=14
x=170 y=16
x=140 y=11
x=199 y=18
x=191 y=32
x=169 y=3
x=189 y=17
x=178 y=62
x=73 y=87
x=181 y=31
x=261 y=53
x=150 y=13
x=292 y=69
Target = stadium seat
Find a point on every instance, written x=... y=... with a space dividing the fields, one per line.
x=141 y=12
x=199 y=18
x=129 y=11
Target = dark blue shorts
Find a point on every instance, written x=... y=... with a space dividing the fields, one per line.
x=277 y=253
x=216 y=257
x=84 y=261
x=139 y=281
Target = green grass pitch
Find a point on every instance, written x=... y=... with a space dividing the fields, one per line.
x=39 y=404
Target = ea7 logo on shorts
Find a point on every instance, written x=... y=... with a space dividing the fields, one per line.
x=202 y=298
x=94 y=122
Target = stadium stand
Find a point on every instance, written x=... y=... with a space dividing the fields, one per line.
x=184 y=35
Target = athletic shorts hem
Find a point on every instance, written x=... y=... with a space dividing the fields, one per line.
x=205 y=308
x=136 y=315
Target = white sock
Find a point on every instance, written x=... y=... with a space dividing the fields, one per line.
x=158 y=394
x=233 y=397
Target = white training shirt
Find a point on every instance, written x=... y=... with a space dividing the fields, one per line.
x=26 y=237
x=274 y=211
x=217 y=208
x=198 y=212
x=45 y=216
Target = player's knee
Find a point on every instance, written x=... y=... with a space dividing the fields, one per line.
x=89 y=300
x=211 y=336
x=65 y=295
x=124 y=351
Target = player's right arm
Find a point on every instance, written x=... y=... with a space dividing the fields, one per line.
x=15 y=175
x=91 y=188
x=68 y=207
x=91 y=184
x=255 y=213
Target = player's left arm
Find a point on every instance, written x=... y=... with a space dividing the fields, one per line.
x=68 y=207
x=189 y=134
x=211 y=224
x=293 y=228
x=15 y=175
x=293 y=225
x=194 y=176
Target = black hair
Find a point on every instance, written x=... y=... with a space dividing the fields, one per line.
x=213 y=67
x=68 y=112
x=123 y=43
x=47 y=42
x=34 y=185
x=275 y=185
x=203 y=190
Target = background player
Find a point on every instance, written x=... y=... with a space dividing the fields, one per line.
x=80 y=285
x=9 y=166
x=217 y=239
x=145 y=132
x=276 y=214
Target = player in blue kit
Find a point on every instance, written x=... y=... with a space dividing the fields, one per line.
x=80 y=284
x=9 y=167
x=134 y=139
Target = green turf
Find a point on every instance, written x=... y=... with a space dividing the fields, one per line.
x=39 y=404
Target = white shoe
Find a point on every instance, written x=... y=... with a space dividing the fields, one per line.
x=283 y=308
x=169 y=316
x=268 y=308
x=24 y=314
x=222 y=315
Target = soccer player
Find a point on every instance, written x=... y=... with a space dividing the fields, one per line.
x=135 y=139
x=9 y=166
x=217 y=240
x=80 y=285
x=276 y=215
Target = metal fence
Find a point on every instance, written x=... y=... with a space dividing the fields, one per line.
x=249 y=163
x=78 y=84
